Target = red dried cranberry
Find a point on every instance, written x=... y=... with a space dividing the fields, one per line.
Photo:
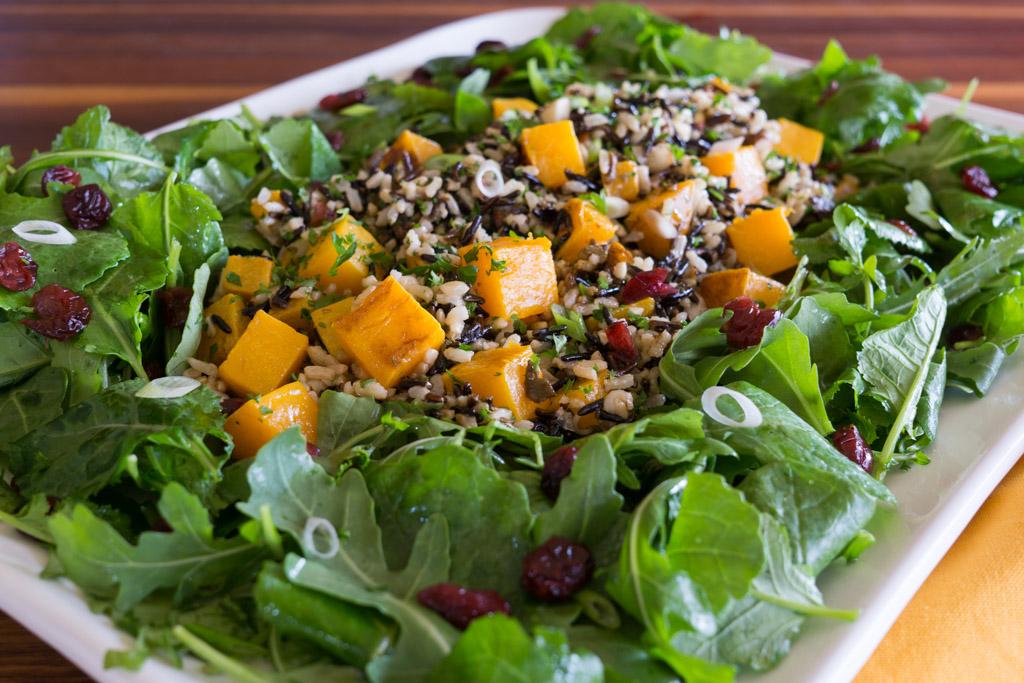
x=587 y=37
x=490 y=46
x=903 y=226
x=17 y=269
x=422 y=76
x=499 y=75
x=748 y=322
x=965 y=333
x=831 y=89
x=319 y=212
x=87 y=207
x=459 y=605
x=976 y=180
x=872 y=145
x=61 y=313
x=312 y=449
x=231 y=404
x=922 y=126
x=336 y=138
x=622 y=350
x=557 y=467
x=60 y=174
x=648 y=283
x=343 y=99
x=174 y=302
x=556 y=570
x=850 y=443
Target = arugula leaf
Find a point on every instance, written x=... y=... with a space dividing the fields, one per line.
x=240 y=233
x=896 y=363
x=624 y=659
x=32 y=519
x=488 y=516
x=587 y=504
x=343 y=416
x=33 y=403
x=87 y=372
x=730 y=54
x=226 y=142
x=975 y=369
x=87 y=447
x=22 y=356
x=829 y=343
x=495 y=648
x=299 y=151
x=221 y=182
x=188 y=560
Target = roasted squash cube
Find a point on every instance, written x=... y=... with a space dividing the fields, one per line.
x=261 y=419
x=323 y=322
x=745 y=171
x=268 y=353
x=618 y=254
x=624 y=181
x=554 y=149
x=416 y=146
x=500 y=375
x=500 y=105
x=246 y=275
x=718 y=289
x=763 y=240
x=589 y=226
x=514 y=276
x=799 y=142
x=340 y=257
x=662 y=217
x=296 y=314
x=388 y=333
x=223 y=325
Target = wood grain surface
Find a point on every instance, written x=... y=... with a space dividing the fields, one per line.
x=157 y=61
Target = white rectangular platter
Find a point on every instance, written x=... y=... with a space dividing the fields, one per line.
x=978 y=441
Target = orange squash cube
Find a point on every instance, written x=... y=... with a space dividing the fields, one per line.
x=554 y=149
x=246 y=275
x=500 y=375
x=221 y=334
x=296 y=314
x=744 y=169
x=416 y=146
x=763 y=240
x=261 y=419
x=322 y=261
x=618 y=254
x=718 y=289
x=268 y=353
x=624 y=182
x=500 y=105
x=388 y=333
x=674 y=207
x=323 y=322
x=589 y=226
x=514 y=276
x=800 y=142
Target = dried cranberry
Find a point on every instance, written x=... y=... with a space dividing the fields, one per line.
x=746 y=326
x=336 y=138
x=17 y=269
x=87 y=207
x=174 y=302
x=459 y=605
x=319 y=212
x=61 y=313
x=872 y=145
x=648 y=283
x=556 y=570
x=499 y=75
x=422 y=76
x=490 y=46
x=922 y=126
x=587 y=37
x=965 y=333
x=557 y=467
x=831 y=89
x=231 y=404
x=850 y=443
x=343 y=99
x=60 y=174
x=903 y=226
x=622 y=350
x=312 y=449
x=977 y=181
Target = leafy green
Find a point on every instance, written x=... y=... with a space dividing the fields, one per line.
x=23 y=354
x=975 y=369
x=90 y=445
x=192 y=333
x=188 y=560
x=33 y=403
x=299 y=151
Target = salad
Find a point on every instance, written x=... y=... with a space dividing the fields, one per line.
x=576 y=360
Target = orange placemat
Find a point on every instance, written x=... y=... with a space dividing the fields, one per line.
x=966 y=623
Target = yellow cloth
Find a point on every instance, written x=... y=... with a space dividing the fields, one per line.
x=967 y=621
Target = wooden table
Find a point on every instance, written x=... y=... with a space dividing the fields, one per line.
x=155 y=62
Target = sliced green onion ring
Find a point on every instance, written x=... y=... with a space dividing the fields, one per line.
x=168 y=387
x=44 y=232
